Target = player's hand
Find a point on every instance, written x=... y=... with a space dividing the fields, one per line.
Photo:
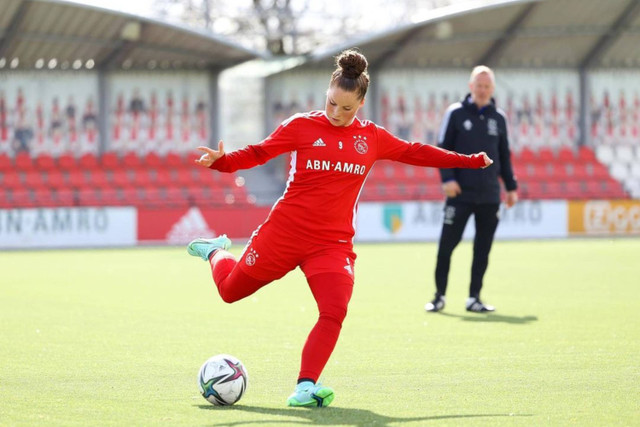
x=451 y=189
x=210 y=155
x=487 y=160
x=512 y=198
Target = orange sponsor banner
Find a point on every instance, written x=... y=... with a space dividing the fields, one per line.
x=604 y=217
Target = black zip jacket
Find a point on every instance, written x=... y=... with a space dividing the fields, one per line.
x=467 y=130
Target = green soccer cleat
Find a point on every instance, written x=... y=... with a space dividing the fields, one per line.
x=310 y=394
x=204 y=247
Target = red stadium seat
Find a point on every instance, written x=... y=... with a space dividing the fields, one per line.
x=22 y=199
x=175 y=196
x=224 y=179
x=153 y=160
x=5 y=198
x=132 y=196
x=44 y=197
x=557 y=171
x=164 y=178
x=566 y=154
x=553 y=190
x=55 y=179
x=99 y=179
x=67 y=161
x=78 y=178
x=45 y=161
x=173 y=160
x=574 y=190
x=131 y=160
x=65 y=197
x=35 y=180
x=110 y=197
x=6 y=162
x=88 y=161
x=12 y=179
x=110 y=160
x=598 y=171
x=202 y=195
x=594 y=190
x=537 y=172
x=578 y=171
x=546 y=154
x=531 y=190
x=89 y=197
x=526 y=155
x=122 y=178
x=153 y=196
x=614 y=189
x=144 y=177
x=586 y=154
x=23 y=161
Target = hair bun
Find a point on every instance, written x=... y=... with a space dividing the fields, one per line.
x=352 y=63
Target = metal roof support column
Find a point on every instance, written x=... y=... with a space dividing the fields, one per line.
x=103 y=112
x=267 y=106
x=214 y=107
x=374 y=97
x=583 y=120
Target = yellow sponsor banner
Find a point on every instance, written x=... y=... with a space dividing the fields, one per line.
x=604 y=217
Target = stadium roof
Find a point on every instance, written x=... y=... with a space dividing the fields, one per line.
x=55 y=34
x=510 y=33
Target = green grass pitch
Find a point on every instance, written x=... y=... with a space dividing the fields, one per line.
x=116 y=337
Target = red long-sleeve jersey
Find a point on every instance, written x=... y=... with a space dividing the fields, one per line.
x=329 y=165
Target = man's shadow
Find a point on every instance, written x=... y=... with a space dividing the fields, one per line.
x=492 y=317
x=333 y=416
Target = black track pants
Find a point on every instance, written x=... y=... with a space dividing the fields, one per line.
x=456 y=215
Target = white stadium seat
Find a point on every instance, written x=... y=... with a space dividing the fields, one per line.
x=619 y=170
x=634 y=171
x=605 y=154
x=624 y=153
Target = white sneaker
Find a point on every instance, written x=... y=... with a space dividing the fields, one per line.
x=436 y=305
x=475 y=305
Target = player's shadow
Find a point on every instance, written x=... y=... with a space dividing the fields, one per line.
x=334 y=415
x=492 y=317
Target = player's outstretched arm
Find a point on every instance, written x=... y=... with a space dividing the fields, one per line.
x=487 y=160
x=210 y=155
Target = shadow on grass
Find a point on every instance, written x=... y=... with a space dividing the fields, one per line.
x=334 y=416
x=492 y=317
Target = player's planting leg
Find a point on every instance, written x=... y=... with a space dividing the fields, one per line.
x=332 y=292
x=311 y=395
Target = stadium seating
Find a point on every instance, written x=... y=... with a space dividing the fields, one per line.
x=6 y=163
x=172 y=180
x=45 y=162
x=23 y=161
x=563 y=173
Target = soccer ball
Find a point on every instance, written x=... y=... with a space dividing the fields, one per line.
x=222 y=380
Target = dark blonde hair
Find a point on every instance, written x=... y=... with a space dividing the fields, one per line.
x=351 y=73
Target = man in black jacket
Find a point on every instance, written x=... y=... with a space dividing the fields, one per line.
x=468 y=127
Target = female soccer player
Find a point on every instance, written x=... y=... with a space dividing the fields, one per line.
x=312 y=224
